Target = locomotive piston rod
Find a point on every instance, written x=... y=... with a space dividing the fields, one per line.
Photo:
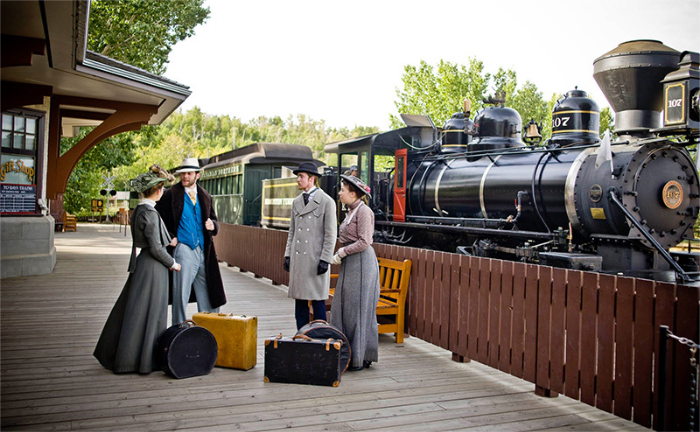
x=612 y=196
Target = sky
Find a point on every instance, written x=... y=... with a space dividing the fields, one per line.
x=342 y=61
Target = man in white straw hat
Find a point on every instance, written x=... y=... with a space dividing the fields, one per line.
x=190 y=219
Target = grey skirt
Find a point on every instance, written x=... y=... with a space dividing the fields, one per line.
x=355 y=303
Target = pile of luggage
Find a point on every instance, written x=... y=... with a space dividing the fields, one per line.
x=318 y=354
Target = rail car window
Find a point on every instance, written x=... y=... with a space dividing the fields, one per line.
x=347 y=161
x=364 y=167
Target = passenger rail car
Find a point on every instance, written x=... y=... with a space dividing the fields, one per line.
x=234 y=179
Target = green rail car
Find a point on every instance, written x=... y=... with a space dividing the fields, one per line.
x=235 y=178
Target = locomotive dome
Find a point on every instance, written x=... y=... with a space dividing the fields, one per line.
x=497 y=128
x=455 y=139
x=575 y=119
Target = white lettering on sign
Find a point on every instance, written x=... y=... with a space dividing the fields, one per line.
x=561 y=121
x=673 y=103
x=279 y=201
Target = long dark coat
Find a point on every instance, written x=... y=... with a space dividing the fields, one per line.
x=128 y=340
x=170 y=208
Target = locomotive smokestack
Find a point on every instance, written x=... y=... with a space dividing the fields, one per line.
x=630 y=77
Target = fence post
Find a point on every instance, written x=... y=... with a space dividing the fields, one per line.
x=661 y=400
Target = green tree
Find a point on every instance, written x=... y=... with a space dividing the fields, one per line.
x=439 y=93
x=142 y=32
x=530 y=104
x=86 y=179
x=607 y=121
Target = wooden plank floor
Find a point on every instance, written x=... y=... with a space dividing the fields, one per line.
x=50 y=381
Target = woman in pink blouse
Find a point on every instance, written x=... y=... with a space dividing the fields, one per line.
x=357 y=291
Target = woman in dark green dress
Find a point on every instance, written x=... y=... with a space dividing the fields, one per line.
x=128 y=340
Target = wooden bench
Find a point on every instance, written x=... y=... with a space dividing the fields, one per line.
x=393 y=281
x=70 y=222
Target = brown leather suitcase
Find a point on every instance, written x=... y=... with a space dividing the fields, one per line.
x=302 y=360
x=236 y=336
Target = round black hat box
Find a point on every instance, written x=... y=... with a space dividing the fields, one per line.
x=186 y=350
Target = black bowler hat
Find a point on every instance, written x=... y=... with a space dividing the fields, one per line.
x=309 y=168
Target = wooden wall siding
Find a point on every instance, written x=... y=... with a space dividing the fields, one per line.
x=592 y=337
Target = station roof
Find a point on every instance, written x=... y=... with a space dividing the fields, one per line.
x=44 y=44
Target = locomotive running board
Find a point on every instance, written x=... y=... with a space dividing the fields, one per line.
x=472 y=230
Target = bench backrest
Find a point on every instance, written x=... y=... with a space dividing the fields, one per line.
x=394 y=275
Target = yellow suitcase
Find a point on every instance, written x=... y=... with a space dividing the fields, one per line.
x=236 y=335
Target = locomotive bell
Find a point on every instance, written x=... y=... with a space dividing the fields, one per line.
x=575 y=119
x=630 y=77
x=532 y=133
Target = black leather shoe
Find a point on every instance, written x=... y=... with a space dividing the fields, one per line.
x=355 y=368
x=366 y=364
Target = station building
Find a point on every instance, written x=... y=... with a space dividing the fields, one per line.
x=51 y=86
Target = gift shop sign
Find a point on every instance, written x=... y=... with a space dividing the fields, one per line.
x=17 y=166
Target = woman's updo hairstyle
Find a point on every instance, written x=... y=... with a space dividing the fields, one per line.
x=161 y=173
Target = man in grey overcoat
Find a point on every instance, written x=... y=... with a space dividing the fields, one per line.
x=313 y=231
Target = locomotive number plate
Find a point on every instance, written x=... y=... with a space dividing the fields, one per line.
x=672 y=194
x=595 y=193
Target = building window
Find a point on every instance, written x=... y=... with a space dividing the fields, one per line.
x=22 y=132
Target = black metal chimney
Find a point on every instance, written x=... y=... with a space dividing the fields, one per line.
x=630 y=77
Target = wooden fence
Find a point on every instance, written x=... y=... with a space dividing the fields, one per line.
x=590 y=336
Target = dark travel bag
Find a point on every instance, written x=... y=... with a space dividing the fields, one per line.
x=186 y=350
x=302 y=360
x=320 y=329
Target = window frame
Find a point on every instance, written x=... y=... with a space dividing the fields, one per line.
x=37 y=153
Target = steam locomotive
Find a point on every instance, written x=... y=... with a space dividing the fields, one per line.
x=475 y=187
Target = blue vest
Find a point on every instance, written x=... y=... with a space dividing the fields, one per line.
x=190 y=231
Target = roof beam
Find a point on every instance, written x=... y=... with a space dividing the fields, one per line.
x=19 y=50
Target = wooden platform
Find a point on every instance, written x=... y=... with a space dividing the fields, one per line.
x=50 y=381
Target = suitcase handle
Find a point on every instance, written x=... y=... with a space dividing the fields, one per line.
x=319 y=321
x=302 y=337
x=189 y=323
x=222 y=314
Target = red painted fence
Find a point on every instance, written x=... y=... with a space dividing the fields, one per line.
x=589 y=336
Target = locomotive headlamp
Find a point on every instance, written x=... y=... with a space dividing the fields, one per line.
x=681 y=89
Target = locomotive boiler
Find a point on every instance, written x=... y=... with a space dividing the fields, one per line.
x=576 y=201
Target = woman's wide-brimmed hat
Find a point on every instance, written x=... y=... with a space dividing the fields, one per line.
x=359 y=184
x=189 y=165
x=309 y=168
x=145 y=181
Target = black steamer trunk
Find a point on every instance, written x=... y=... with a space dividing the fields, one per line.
x=302 y=360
